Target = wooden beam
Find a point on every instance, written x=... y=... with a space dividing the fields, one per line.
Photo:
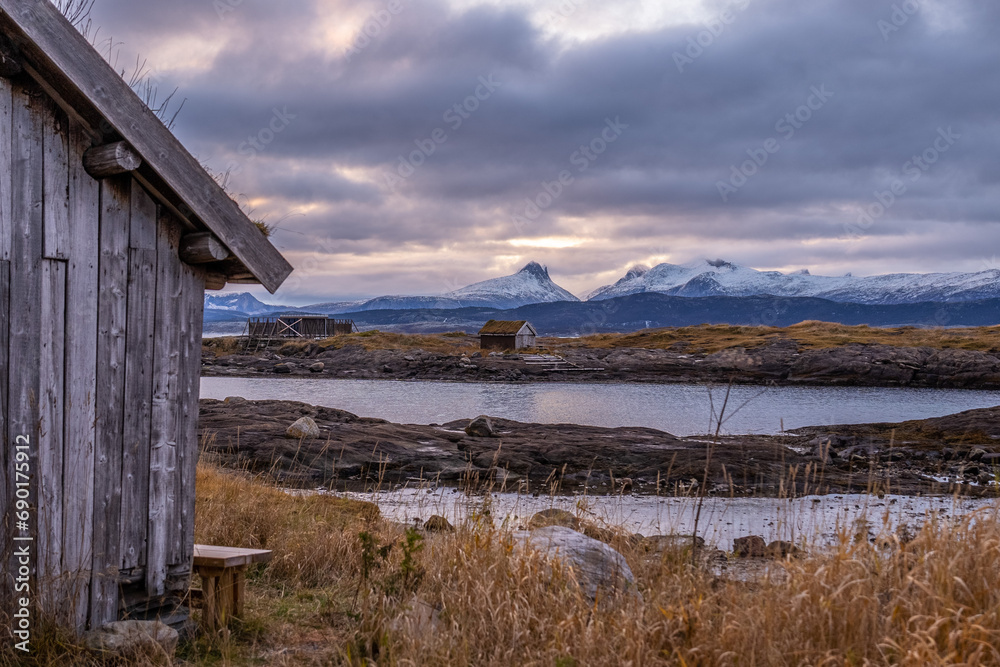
x=202 y=248
x=48 y=41
x=111 y=160
x=215 y=281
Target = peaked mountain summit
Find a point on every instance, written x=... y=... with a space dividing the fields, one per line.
x=531 y=284
x=722 y=278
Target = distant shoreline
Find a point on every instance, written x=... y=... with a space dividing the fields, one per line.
x=812 y=354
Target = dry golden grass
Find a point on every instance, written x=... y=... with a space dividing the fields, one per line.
x=709 y=338
x=448 y=343
x=934 y=600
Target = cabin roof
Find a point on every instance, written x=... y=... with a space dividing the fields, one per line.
x=504 y=327
x=74 y=74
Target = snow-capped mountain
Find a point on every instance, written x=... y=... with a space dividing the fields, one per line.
x=721 y=278
x=635 y=272
x=531 y=284
x=244 y=302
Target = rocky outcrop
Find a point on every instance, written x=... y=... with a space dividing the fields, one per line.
x=355 y=453
x=481 y=427
x=781 y=361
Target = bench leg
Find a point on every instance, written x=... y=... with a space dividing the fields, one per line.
x=239 y=591
x=209 y=620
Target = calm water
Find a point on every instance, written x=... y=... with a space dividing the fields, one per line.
x=680 y=409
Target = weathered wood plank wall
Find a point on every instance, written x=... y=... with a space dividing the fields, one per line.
x=111 y=324
x=24 y=322
x=81 y=379
x=138 y=378
x=166 y=410
x=5 y=228
x=100 y=348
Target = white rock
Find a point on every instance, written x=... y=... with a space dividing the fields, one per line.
x=597 y=567
x=303 y=428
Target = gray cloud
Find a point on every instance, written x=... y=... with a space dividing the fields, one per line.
x=655 y=186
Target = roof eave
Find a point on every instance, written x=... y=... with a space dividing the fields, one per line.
x=53 y=47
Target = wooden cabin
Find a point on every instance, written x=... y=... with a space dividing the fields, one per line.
x=298 y=326
x=504 y=335
x=110 y=231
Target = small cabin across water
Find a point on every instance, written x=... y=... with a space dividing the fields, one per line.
x=297 y=326
x=504 y=335
x=110 y=231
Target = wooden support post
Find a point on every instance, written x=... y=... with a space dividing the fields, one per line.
x=202 y=248
x=208 y=586
x=111 y=160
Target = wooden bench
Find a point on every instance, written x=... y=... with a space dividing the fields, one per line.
x=223 y=581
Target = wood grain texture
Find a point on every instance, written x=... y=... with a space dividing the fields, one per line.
x=83 y=279
x=193 y=288
x=56 y=143
x=52 y=338
x=111 y=335
x=26 y=274
x=111 y=160
x=165 y=408
x=80 y=74
x=138 y=379
x=5 y=168
x=5 y=535
x=202 y=248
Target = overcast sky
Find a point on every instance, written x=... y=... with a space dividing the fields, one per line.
x=416 y=146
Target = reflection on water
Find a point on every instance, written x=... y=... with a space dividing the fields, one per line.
x=681 y=409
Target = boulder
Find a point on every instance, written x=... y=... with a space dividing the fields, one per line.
x=135 y=638
x=317 y=367
x=553 y=517
x=782 y=549
x=438 y=523
x=477 y=355
x=751 y=546
x=599 y=569
x=481 y=427
x=282 y=369
x=303 y=428
x=977 y=454
x=234 y=400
